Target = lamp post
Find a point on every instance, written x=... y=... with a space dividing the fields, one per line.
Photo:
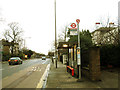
x=119 y=21
x=55 y=36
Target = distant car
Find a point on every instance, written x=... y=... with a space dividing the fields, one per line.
x=15 y=60
x=43 y=58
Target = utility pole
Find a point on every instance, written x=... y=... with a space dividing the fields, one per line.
x=55 y=37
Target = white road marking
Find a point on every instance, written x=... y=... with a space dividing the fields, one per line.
x=44 y=76
x=36 y=69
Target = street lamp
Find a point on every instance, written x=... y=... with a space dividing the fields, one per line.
x=119 y=21
x=55 y=36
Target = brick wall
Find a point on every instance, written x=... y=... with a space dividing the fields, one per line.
x=94 y=63
x=93 y=70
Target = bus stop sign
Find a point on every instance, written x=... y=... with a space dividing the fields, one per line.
x=73 y=25
x=78 y=21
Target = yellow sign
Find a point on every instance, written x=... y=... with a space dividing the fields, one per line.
x=25 y=56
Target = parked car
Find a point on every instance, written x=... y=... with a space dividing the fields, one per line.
x=43 y=58
x=15 y=60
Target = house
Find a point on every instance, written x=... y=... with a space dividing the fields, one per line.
x=7 y=47
x=105 y=35
x=14 y=47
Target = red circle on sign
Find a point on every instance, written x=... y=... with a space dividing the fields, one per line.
x=78 y=20
x=73 y=25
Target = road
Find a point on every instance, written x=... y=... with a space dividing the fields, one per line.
x=27 y=75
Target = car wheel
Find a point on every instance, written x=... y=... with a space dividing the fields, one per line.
x=21 y=62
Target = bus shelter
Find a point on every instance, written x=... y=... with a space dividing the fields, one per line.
x=90 y=60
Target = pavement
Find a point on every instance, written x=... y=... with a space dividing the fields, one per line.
x=60 y=78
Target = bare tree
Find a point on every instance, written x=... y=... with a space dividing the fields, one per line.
x=5 y=34
x=62 y=35
x=13 y=34
x=61 y=38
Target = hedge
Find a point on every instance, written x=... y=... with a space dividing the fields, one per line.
x=110 y=55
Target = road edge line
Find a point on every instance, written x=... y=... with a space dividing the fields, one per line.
x=41 y=81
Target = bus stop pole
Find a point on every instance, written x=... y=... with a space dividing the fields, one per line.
x=78 y=53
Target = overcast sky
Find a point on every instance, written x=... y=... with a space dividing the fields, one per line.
x=36 y=17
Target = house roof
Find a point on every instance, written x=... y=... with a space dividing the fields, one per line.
x=104 y=29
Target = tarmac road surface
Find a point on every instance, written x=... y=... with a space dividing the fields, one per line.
x=27 y=75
